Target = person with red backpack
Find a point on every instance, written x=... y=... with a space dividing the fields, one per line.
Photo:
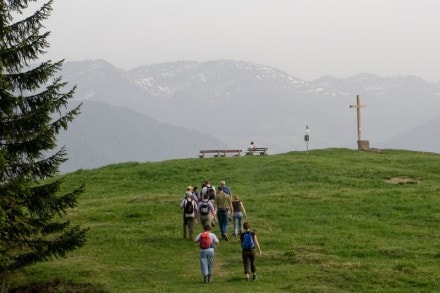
x=207 y=241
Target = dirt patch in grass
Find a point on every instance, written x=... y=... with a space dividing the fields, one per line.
x=400 y=180
x=220 y=268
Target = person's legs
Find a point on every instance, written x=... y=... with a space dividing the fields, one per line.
x=238 y=216
x=210 y=261
x=252 y=262
x=222 y=216
x=204 y=265
x=191 y=227
x=246 y=264
x=225 y=222
x=205 y=220
x=219 y=217
x=185 y=223
x=236 y=223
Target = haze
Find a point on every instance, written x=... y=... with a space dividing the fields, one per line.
x=306 y=38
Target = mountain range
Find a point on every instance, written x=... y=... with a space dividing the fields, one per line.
x=172 y=110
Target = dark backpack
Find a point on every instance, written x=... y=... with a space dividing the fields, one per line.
x=210 y=192
x=189 y=207
x=248 y=241
x=205 y=240
x=204 y=208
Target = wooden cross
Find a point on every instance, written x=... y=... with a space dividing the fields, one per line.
x=358 y=107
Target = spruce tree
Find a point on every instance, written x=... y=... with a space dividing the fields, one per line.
x=33 y=109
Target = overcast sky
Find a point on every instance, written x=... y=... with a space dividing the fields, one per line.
x=305 y=38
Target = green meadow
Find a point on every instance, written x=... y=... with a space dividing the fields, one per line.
x=332 y=220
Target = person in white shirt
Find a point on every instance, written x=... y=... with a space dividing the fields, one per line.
x=206 y=253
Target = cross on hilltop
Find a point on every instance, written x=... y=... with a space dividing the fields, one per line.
x=362 y=144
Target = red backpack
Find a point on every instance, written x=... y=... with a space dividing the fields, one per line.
x=205 y=240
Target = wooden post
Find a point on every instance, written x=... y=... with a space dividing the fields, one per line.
x=361 y=145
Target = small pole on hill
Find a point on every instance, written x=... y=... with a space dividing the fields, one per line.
x=307 y=138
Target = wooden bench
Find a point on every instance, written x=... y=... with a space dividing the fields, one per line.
x=252 y=151
x=219 y=153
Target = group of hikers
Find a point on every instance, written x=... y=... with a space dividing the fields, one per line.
x=210 y=206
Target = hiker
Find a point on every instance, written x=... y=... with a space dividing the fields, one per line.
x=207 y=241
x=223 y=208
x=206 y=211
x=249 y=241
x=226 y=189
x=196 y=193
x=207 y=188
x=190 y=212
x=191 y=189
x=237 y=215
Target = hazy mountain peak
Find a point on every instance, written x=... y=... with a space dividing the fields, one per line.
x=168 y=79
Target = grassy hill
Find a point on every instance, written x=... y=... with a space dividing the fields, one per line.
x=328 y=221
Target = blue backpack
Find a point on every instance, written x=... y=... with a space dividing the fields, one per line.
x=248 y=241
